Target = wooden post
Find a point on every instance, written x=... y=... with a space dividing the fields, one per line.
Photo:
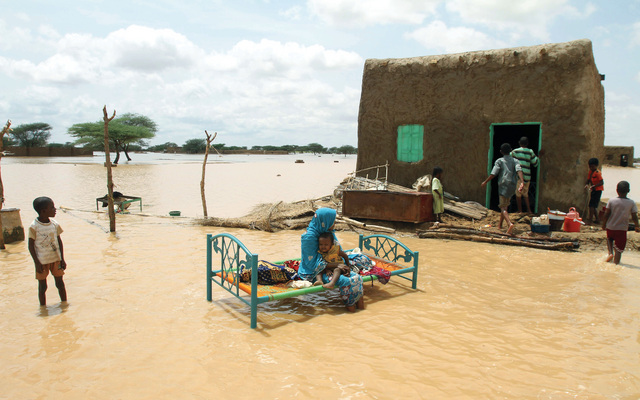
x=112 y=212
x=6 y=129
x=204 y=168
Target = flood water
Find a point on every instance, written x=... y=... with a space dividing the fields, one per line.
x=487 y=321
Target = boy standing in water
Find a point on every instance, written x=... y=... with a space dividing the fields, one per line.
x=527 y=159
x=438 y=193
x=616 y=221
x=45 y=247
x=595 y=184
x=508 y=170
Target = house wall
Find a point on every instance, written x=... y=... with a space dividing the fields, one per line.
x=612 y=155
x=457 y=97
x=48 y=151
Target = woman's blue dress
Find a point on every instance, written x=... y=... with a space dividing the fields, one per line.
x=312 y=263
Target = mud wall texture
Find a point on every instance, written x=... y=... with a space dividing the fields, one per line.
x=457 y=97
x=48 y=151
x=612 y=155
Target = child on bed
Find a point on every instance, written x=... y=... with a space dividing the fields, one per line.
x=332 y=255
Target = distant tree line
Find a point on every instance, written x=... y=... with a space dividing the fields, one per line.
x=129 y=133
x=194 y=146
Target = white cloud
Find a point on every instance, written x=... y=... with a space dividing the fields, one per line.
x=360 y=13
x=258 y=92
x=530 y=17
x=290 y=60
x=147 y=49
x=82 y=58
x=452 y=40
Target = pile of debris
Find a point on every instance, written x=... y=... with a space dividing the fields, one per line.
x=440 y=231
x=271 y=217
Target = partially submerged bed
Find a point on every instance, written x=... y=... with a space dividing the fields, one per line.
x=388 y=253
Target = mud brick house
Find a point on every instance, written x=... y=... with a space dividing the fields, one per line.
x=456 y=110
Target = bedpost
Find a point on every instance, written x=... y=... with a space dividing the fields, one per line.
x=209 y=277
x=414 y=281
x=254 y=291
x=360 y=240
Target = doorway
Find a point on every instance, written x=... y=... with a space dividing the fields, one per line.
x=511 y=133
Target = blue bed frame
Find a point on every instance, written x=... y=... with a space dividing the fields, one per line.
x=233 y=255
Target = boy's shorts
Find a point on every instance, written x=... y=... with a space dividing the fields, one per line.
x=619 y=239
x=525 y=190
x=504 y=202
x=55 y=269
x=594 y=201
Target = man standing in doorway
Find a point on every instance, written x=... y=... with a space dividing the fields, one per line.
x=527 y=159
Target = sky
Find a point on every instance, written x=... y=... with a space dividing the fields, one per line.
x=263 y=72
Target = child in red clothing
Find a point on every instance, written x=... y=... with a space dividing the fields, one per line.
x=595 y=184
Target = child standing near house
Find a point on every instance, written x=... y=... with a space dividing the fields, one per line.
x=438 y=193
x=595 y=184
x=510 y=179
x=45 y=247
x=527 y=159
x=616 y=221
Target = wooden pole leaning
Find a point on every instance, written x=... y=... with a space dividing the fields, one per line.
x=112 y=212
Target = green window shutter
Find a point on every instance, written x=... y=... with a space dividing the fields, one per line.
x=410 y=139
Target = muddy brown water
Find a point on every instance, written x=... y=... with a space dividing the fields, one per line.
x=487 y=321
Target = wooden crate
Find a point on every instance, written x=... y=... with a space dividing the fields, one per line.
x=388 y=206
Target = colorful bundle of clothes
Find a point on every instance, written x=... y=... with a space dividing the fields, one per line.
x=269 y=273
x=363 y=265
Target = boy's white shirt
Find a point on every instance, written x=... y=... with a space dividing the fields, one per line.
x=45 y=236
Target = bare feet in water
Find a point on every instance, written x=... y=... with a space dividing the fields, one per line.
x=609 y=258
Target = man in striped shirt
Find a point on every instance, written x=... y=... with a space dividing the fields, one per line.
x=527 y=159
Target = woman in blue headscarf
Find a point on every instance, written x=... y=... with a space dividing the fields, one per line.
x=312 y=263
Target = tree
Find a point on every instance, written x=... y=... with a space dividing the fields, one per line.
x=7 y=142
x=193 y=146
x=124 y=131
x=162 y=147
x=4 y=131
x=32 y=135
x=346 y=149
x=112 y=215
x=145 y=128
x=316 y=148
x=210 y=139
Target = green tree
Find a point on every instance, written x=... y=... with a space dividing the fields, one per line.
x=32 y=135
x=144 y=128
x=7 y=141
x=346 y=149
x=291 y=148
x=124 y=131
x=316 y=148
x=162 y=147
x=67 y=144
x=193 y=146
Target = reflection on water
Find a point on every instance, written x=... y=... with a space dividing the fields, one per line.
x=486 y=321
